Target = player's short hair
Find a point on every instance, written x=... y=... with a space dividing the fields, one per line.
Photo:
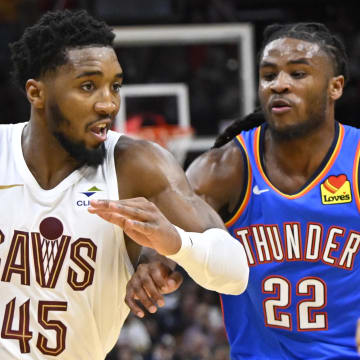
x=43 y=46
x=313 y=32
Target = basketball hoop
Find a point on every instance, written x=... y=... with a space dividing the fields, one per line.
x=172 y=137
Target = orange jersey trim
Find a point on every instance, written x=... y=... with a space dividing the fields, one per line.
x=248 y=186
x=318 y=177
x=356 y=176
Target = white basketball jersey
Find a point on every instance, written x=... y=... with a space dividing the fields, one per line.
x=63 y=271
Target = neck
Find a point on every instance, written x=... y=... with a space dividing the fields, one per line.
x=290 y=163
x=46 y=159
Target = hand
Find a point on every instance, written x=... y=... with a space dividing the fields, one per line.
x=147 y=285
x=357 y=337
x=142 y=221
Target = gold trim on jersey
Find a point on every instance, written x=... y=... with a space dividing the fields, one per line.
x=2 y=187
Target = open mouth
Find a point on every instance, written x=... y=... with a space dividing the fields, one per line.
x=100 y=130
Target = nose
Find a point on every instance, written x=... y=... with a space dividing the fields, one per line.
x=281 y=84
x=108 y=104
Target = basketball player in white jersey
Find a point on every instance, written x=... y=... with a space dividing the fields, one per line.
x=63 y=270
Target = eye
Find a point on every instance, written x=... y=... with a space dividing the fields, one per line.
x=116 y=87
x=269 y=76
x=298 y=74
x=88 y=86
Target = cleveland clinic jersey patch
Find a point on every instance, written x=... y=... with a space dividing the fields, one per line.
x=83 y=198
x=336 y=190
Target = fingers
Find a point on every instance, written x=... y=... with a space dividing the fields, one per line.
x=135 y=294
x=120 y=209
x=136 y=230
x=128 y=218
x=136 y=213
x=103 y=203
x=147 y=285
x=134 y=207
x=173 y=282
x=142 y=221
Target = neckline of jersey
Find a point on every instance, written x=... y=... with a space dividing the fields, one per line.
x=319 y=174
x=29 y=178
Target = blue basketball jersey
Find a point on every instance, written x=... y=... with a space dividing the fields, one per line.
x=303 y=297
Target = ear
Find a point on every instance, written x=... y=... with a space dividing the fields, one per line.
x=336 y=87
x=35 y=93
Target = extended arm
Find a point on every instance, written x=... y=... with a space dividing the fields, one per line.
x=156 y=176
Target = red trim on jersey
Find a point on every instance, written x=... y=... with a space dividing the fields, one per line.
x=248 y=186
x=223 y=316
x=315 y=181
x=356 y=176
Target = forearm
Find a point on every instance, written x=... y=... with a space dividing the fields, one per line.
x=214 y=259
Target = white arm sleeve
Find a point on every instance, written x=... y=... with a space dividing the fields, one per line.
x=214 y=259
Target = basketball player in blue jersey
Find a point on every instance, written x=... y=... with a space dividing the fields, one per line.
x=63 y=270
x=289 y=192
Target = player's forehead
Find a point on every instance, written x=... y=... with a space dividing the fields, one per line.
x=90 y=56
x=291 y=49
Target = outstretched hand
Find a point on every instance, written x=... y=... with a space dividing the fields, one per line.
x=142 y=221
x=148 y=284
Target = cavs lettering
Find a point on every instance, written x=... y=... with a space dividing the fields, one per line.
x=336 y=190
x=49 y=248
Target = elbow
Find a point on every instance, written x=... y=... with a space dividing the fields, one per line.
x=234 y=283
x=239 y=286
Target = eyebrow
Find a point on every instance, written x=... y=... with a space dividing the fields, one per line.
x=302 y=61
x=94 y=73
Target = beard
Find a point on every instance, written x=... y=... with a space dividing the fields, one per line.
x=76 y=149
x=314 y=119
x=296 y=131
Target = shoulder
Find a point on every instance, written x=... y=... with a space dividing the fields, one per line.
x=217 y=164
x=7 y=128
x=350 y=137
x=8 y=131
x=145 y=165
x=352 y=130
x=135 y=153
x=218 y=174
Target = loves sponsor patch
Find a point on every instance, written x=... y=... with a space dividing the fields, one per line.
x=336 y=190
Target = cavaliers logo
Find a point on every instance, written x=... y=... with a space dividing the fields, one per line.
x=50 y=247
x=336 y=190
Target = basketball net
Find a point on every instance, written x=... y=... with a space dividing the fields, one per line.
x=175 y=138
x=49 y=249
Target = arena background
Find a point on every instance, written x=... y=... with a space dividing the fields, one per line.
x=208 y=83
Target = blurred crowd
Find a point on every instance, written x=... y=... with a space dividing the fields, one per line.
x=188 y=327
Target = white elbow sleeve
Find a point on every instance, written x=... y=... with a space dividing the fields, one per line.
x=214 y=259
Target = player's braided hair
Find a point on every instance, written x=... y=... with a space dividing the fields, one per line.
x=312 y=32
x=248 y=122
x=315 y=33
x=43 y=46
